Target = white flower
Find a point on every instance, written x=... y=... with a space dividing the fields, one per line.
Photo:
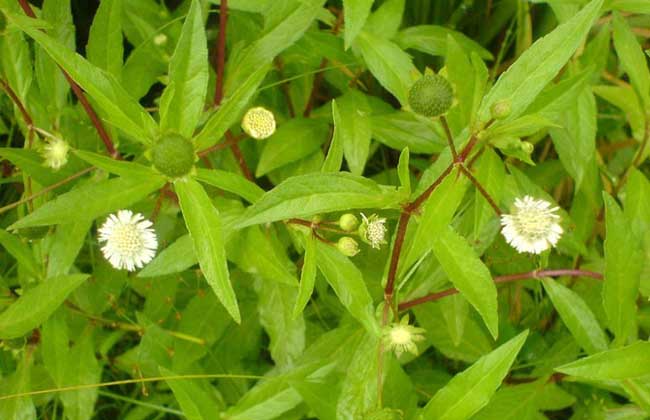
x=130 y=240
x=373 y=230
x=533 y=226
x=401 y=337
x=259 y=123
x=55 y=153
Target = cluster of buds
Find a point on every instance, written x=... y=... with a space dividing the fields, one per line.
x=371 y=230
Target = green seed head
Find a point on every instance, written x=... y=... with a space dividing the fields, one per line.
x=173 y=155
x=431 y=96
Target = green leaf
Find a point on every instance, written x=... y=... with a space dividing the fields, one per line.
x=575 y=141
x=438 y=212
x=632 y=6
x=627 y=100
x=121 y=109
x=577 y=317
x=20 y=251
x=83 y=369
x=623 y=264
x=401 y=129
x=96 y=199
x=283 y=146
x=404 y=171
x=118 y=167
x=307 y=195
x=391 y=66
x=334 y=157
x=539 y=64
x=276 y=39
x=307 y=275
x=37 y=304
x=31 y=162
x=194 y=400
x=231 y=182
x=637 y=211
x=203 y=223
x=18 y=408
x=347 y=282
x=356 y=12
x=468 y=274
x=359 y=387
x=230 y=110
x=181 y=104
x=177 y=257
x=353 y=126
x=632 y=59
x=432 y=39
x=386 y=19
x=472 y=389
x=105 y=47
x=67 y=242
x=632 y=361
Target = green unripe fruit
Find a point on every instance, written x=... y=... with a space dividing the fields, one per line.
x=501 y=109
x=431 y=96
x=173 y=155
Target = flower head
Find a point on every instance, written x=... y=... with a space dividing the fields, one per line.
x=55 y=153
x=401 y=337
x=259 y=123
x=130 y=240
x=373 y=230
x=533 y=226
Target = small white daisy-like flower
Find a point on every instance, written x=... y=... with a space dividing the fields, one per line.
x=533 y=226
x=373 y=230
x=55 y=153
x=401 y=337
x=130 y=240
x=259 y=123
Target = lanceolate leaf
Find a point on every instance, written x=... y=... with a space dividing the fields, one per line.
x=471 y=390
x=632 y=59
x=306 y=195
x=307 y=276
x=230 y=109
x=105 y=47
x=195 y=402
x=203 y=223
x=347 y=282
x=356 y=13
x=181 y=104
x=231 y=182
x=577 y=316
x=537 y=66
x=628 y=362
x=93 y=199
x=468 y=274
x=334 y=157
x=623 y=264
x=37 y=304
x=121 y=109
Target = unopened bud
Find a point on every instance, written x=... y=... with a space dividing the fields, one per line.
x=348 y=222
x=348 y=246
x=55 y=153
x=501 y=109
x=173 y=155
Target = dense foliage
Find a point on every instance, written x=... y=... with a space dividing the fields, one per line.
x=331 y=209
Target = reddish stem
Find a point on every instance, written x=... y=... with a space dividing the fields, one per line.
x=504 y=279
x=482 y=190
x=450 y=138
x=106 y=139
x=221 y=51
x=23 y=111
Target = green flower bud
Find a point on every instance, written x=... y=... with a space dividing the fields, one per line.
x=348 y=222
x=501 y=109
x=348 y=246
x=173 y=155
x=527 y=147
x=431 y=96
